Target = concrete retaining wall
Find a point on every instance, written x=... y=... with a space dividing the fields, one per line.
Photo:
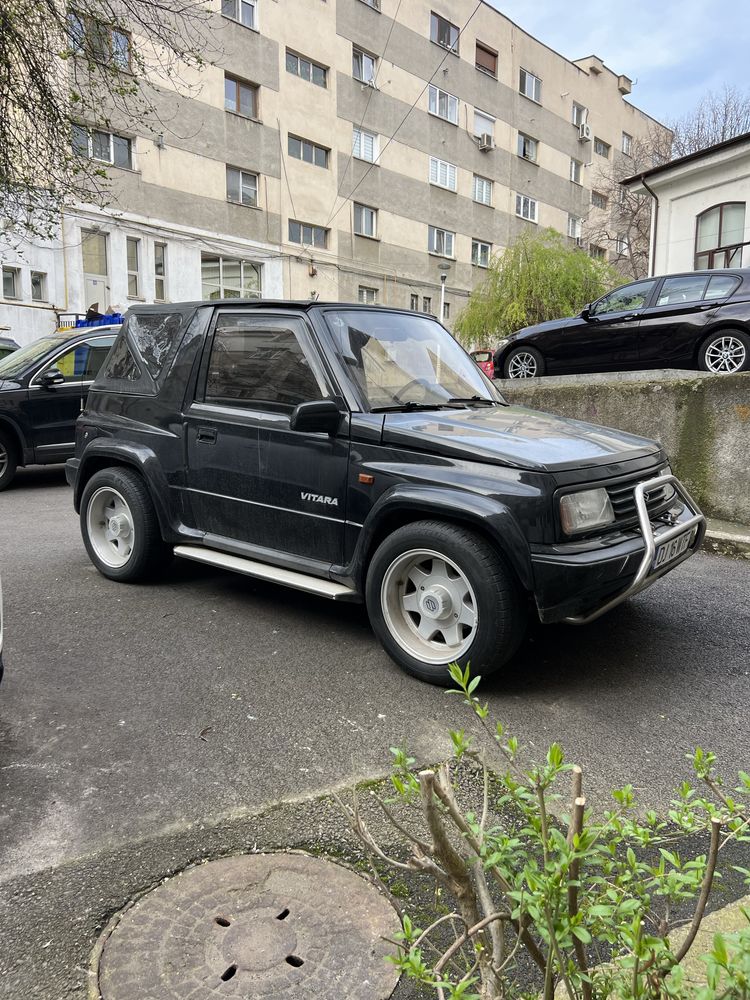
x=703 y=422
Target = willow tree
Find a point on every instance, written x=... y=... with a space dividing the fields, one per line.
x=539 y=277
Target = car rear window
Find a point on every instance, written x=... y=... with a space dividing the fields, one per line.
x=140 y=358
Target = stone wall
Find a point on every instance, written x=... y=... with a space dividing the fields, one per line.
x=703 y=422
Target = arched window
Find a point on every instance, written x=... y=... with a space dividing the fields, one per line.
x=720 y=235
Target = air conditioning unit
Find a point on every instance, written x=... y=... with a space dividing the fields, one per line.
x=486 y=141
x=584 y=132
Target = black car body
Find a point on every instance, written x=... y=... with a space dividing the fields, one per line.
x=698 y=320
x=7 y=346
x=42 y=391
x=359 y=453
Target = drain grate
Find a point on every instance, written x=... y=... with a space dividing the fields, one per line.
x=270 y=926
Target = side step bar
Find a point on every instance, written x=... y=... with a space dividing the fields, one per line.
x=263 y=571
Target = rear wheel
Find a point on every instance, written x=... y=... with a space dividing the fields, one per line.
x=523 y=362
x=120 y=528
x=438 y=594
x=725 y=353
x=8 y=460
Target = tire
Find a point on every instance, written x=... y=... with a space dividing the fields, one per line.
x=120 y=528
x=523 y=362
x=459 y=569
x=8 y=459
x=725 y=352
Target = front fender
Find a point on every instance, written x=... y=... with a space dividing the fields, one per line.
x=410 y=502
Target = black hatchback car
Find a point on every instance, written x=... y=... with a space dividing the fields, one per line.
x=699 y=320
x=43 y=388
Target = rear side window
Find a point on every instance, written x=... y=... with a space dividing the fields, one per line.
x=121 y=363
x=721 y=285
x=153 y=336
x=682 y=289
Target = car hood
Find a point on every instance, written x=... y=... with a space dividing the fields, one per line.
x=550 y=324
x=514 y=436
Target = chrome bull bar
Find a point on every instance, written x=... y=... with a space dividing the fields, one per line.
x=647 y=573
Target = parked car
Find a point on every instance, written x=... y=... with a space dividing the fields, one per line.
x=7 y=346
x=699 y=320
x=42 y=390
x=484 y=360
x=359 y=454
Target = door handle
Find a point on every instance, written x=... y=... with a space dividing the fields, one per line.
x=631 y=316
x=207 y=434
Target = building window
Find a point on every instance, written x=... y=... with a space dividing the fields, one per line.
x=414 y=302
x=598 y=253
x=443 y=174
x=243 y=11
x=601 y=148
x=365 y=220
x=720 y=235
x=38 y=286
x=575 y=227
x=160 y=272
x=527 y=147
x=485 y=59
x=444 y=33
x=443 y=105
x=133 y=247
x=526 y=207
x=576 y=169
x=363 y=66
x=309 y=152
x=598 y=200
x=306 y=69
x=242 y=187
x=364 y=145
x=98 y=42
x=483 y=124
x=11 y=283
x=103 y=146
x=579 y=114
x=368 y=296
x=530 y=86
x=482 y=190
x=229 y=278
x=627 y=144
x=446 y=310
x=240 y=97
x=440 y=241
x=426 y=304
x=622 y=245
x=304 y=233
x=481 y=253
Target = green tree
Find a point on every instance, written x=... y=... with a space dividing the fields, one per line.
x=539 y=277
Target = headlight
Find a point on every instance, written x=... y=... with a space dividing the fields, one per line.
x=586 y=510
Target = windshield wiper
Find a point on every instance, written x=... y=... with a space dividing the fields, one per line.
x=477 y=399
x=410 y=405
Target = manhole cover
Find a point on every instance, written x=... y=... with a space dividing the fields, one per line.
x=256 y=926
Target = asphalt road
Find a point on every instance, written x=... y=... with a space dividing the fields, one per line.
x=134 y=715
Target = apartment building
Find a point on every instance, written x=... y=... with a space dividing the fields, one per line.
x=364 y=150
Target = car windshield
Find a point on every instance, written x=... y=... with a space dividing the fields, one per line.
x=17 y=362
x=402 y=360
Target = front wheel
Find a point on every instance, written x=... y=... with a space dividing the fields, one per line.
x=523 y=362
x=8 y=460
x=725 y=353
x=120 y=528
x=437 y=594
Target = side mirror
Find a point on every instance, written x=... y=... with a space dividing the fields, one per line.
x=319 y=415
x=53 y=376
x=586 y=312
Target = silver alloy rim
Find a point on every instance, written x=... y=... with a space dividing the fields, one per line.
x=429 y=606
x=3 y=460
x=109 y=523
x=522 y=365
x=725 y=355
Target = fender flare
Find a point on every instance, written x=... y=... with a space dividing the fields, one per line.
x=27 y=452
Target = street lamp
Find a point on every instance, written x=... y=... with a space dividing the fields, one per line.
x=443 y=268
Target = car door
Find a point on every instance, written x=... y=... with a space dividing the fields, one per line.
x=672 y=326
x=52 y=411
x=250 y=478
x=607 y=338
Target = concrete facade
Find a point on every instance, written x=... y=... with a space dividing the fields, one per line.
x=176 y=192
x=691 y=188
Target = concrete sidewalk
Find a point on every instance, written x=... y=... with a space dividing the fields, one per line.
x=727 y=539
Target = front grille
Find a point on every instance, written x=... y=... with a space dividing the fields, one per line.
x=621 y=496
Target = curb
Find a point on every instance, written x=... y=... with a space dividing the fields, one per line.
x=727 y=539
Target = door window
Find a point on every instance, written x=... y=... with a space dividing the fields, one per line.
x=82 y=362
x=721 y=285
x=675 y=291
x=623 y=299
x=249 y=364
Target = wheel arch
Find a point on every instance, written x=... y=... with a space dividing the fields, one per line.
x=24 y=454
x=718 y=327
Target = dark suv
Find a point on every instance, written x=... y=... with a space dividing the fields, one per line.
x=359 y=454
x=42 y=391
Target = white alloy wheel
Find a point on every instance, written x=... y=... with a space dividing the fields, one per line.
x=429 y=606
x=725 y=355
x=523 y=364
x=109 y=523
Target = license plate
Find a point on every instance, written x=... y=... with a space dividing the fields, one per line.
x=672 y=550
